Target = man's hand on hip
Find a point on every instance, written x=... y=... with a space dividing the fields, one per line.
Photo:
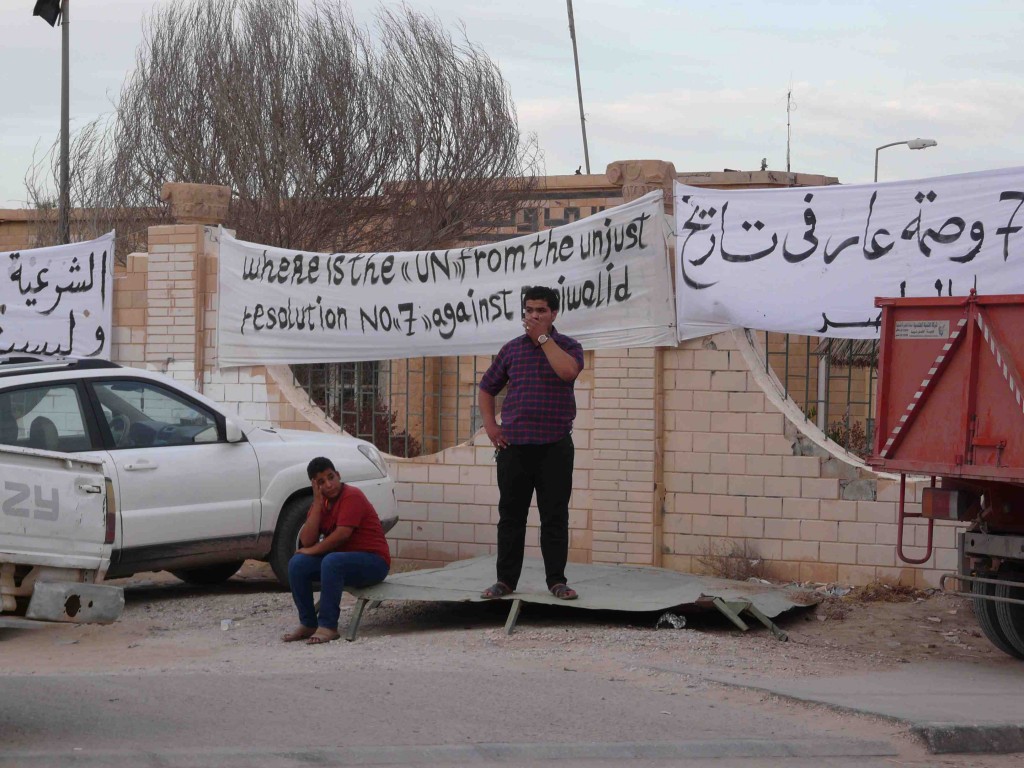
x=496 y=437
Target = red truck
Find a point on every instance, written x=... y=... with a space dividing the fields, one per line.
x=951 y=408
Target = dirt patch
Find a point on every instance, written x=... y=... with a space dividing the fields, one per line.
x=236 y=626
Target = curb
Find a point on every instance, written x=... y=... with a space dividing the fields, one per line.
x=953 y=738
x=938 y=738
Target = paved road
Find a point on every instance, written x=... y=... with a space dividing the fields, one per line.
x=165 y=687
x=452 y=711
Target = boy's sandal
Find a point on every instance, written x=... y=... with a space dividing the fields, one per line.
x=563 y=592
x=323 y=635
x=496 y=591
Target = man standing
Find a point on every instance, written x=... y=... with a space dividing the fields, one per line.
x=533 y=443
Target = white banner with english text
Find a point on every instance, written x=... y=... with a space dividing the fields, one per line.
x=811 y=260
x=611 y=271
x=57 y=302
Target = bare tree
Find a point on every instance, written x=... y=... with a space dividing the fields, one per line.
x=330 y=135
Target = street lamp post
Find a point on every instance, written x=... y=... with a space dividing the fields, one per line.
x=912 y=143
x=51 y=11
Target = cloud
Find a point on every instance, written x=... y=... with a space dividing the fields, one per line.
x=836 y=128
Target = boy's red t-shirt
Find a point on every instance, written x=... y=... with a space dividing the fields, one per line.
x=353 y=510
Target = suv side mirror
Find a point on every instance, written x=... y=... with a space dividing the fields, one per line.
x=233 y=432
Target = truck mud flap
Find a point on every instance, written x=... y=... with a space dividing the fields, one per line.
x=75 y=603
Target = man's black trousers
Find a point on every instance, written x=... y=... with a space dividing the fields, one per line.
x=522 y=469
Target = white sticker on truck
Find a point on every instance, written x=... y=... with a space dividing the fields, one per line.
x=922 y=329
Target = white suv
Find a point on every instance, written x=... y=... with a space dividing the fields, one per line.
x=199 y=490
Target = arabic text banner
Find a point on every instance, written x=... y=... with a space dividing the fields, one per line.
x=811 y=260
x=57 y=301
x=611 y=271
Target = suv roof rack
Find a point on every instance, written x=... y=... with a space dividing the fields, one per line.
x=16 y=366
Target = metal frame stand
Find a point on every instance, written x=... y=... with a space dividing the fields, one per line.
x=357 y=615
x=732 y=609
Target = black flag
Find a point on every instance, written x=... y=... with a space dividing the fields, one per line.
x=49 y=10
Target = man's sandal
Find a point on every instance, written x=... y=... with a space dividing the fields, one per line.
x=496 y=591
x=563 y=591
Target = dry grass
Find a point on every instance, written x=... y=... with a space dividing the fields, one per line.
x=838 y=608
x=881 y=592
x=732 y=560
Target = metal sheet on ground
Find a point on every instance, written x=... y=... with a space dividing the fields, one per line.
x=601 y=587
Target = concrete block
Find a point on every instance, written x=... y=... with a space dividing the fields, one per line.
x=876 y=512
x=821 y=573
x=710 y=483
x=819 y=530
x=693 y=421
x=782 y=529
x=799 y=550
x=746 y=527
x=735 y=382
x=680 y=482
x=778 y=445
x=803 y=509
x=855 y=575
x=833 y=552
x=711 y=442
x=765 y=423
x=710 y=525
x=746 y=485
x=764 y=465
x=819 y=488
x=710 y=401
x=753 y=403
x=782 y=486
x=801 y=466
x=729 y=422
x=764 y=507
x=857 y=533
x=830 y=509
x=876 y=554
x=748 y=444
x=727 y=464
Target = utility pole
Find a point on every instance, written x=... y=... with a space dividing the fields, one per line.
x=64 y=204
x=579 y=87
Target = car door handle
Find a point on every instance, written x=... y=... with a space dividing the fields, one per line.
x=139 y=466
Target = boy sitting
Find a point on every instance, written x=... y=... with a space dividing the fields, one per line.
x=341 y=543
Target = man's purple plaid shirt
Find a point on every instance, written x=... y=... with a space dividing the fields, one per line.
x=539 y=407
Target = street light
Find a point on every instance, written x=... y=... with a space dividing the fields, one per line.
x=912 y=143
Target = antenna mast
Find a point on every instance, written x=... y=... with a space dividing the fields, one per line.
x=789 y=128
x=579 y=87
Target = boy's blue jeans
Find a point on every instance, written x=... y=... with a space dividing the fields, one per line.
x=334 y=571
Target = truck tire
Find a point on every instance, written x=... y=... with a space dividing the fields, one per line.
x=290 y=521
x=1011 y=615
x=208 y=574
x=988 y=620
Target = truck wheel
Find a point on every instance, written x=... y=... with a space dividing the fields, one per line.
x=988 y=620
x=209 y=574
x=984 y=611
x=293 y=515
x=1011 y=615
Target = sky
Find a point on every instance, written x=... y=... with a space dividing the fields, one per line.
x=703 y=85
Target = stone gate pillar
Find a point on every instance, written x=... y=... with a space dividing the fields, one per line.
x=181 y=281
x=628 y=436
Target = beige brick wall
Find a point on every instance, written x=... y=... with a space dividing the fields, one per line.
x=678 y=450
x=750 y=470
